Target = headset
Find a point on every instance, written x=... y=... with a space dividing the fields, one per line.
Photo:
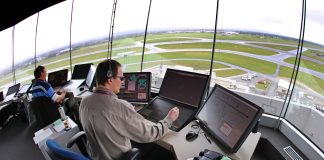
x=109 y=71
x=110 y=39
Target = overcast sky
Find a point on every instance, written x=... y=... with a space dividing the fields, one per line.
x=91 y=19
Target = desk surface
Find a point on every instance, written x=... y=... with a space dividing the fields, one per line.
x=61 y=137
x=177 y=143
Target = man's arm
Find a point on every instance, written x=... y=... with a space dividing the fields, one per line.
x=140 y=130
x=59 y=98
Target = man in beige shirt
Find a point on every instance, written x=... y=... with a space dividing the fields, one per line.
x=110 y=123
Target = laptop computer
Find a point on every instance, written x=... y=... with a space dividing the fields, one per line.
x=79 y=76
x=58 y=79
x=80 y=71
x=12 y=91
x=183 y=89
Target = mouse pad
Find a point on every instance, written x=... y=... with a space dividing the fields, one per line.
x=159 y=107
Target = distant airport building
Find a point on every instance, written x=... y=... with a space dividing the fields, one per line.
x=282 y=86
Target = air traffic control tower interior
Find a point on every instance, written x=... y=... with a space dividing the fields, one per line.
x=266 y=58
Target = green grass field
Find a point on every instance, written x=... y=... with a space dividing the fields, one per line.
x=219 y=66
x=313 y=54
x=262 y=86
x=245 y=37
x=167 y=39
x=223 y=46
x=279 y=47
x=229 y=72
x=305 y=79
x=307 y=64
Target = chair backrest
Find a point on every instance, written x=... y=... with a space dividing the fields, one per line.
x=45 y=110
x=56 y=152
x=80 y=139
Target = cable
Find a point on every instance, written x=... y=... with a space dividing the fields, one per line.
x=213 y=49
x=13 y=54
x=71 y=36
x=111 y=30
x=36 y=38
x=147 y=20
x=196 y=126
x=297 y=61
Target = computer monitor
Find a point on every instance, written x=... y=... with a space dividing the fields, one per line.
x=24 y=89
x=228 y=117
x=58 y=78
x=184 y=87
x=13 y=89
x=136 y=87
x=80 y=71
x=90 y=76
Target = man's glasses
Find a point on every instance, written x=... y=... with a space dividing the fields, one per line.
x=121 y=78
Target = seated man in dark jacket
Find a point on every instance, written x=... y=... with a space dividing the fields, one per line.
x=44 y=99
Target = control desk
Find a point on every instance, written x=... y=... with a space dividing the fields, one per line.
x=183 y=149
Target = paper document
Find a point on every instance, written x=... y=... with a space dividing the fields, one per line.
x=41 y=135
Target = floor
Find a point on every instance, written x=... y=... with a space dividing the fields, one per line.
x=16 y=141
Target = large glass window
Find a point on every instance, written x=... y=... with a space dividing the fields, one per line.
x=253 y=42
x=90 y=28
x=25 y=49
x=180 y=34
x=53 y=37
x=306 y=108
x=6 y=76
x=129 y=28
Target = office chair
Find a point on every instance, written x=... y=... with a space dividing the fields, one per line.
x=80 y=139
x=57 y=152
x=45 y=111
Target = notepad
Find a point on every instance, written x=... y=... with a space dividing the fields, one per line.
x=42 y=134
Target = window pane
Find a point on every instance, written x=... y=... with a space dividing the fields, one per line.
x=129 y=33
x=25 y=49
x=90 y=28
x=53 y=37
x=253 y=43
x=179 y=36
x=6 y=76
x=306 y=108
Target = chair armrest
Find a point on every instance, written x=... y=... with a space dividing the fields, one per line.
x=77 y=137
x=80 y=139
x=132 y=154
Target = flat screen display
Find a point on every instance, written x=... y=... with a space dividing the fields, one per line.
x=90 y=76
x=136 y=87
x=80 y=71
x=24 y=89
x=159 y=108
x=228 y=117
x=184 y=87
x=58 y=78
x=13 y=89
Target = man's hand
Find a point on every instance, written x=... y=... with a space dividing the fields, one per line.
x=174 y=113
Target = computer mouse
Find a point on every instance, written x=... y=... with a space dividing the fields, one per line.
x=81 y=88
x=191 y=135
